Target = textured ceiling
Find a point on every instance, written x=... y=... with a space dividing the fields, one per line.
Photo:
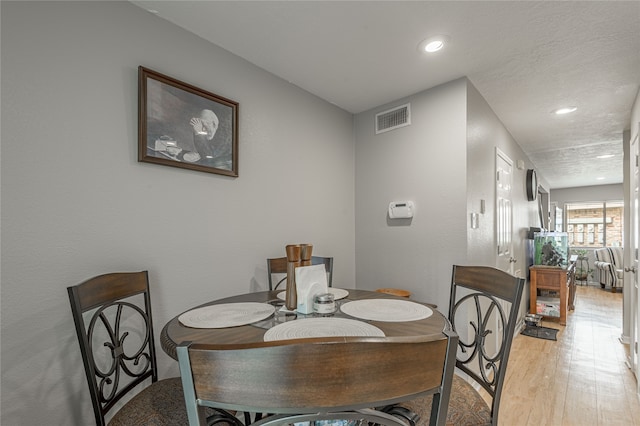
x=526 y=58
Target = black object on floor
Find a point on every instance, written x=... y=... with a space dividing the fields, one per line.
x=540 y=332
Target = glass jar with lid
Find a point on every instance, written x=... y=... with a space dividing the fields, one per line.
x=324 y=304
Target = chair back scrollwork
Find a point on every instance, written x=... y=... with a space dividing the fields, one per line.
x=487 y=325
x=112 y=316
x=129 y=356
x=483 y=311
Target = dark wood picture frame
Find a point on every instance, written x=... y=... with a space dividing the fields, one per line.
x=180 y=125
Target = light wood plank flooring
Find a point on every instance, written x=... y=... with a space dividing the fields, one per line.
x=580 y=379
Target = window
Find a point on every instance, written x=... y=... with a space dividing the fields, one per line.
x=597 y=224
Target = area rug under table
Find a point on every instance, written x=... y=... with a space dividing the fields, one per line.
x=540 y=332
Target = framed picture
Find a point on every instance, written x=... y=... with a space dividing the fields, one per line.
x=180 y=125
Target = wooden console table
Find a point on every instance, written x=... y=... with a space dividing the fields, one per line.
x=560 y=280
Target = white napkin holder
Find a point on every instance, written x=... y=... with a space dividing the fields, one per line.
x=310 y=280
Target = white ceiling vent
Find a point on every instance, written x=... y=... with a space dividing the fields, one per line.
x=393 y=118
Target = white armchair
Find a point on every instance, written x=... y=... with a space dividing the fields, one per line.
x=610 y=267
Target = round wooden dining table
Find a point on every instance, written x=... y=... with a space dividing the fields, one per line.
x=174 y=332
x=321 y=374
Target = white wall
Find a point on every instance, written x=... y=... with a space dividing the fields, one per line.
x=635 y=117
x=613 y=192
x=486 y=133
x=424 y=162
x=76 y=203
x=444 y=162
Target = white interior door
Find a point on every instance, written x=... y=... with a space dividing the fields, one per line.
x=504 y=213
x=504 y=232
x=631 y=274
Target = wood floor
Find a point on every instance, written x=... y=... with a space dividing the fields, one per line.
x=580 y=379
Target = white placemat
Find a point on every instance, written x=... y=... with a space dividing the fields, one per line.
x=226 y=315
x=321 y=327
x=388 y=310
x=338 y=293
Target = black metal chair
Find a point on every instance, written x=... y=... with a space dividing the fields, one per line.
x=278 y=265
x=486 y=328
x=112 y=315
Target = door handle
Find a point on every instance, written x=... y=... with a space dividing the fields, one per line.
x=512 y=260
x=631 y=269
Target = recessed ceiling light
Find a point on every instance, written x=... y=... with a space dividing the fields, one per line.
x=433 y=44
x=600 y=178
x=605 y=156
x=565 y=110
